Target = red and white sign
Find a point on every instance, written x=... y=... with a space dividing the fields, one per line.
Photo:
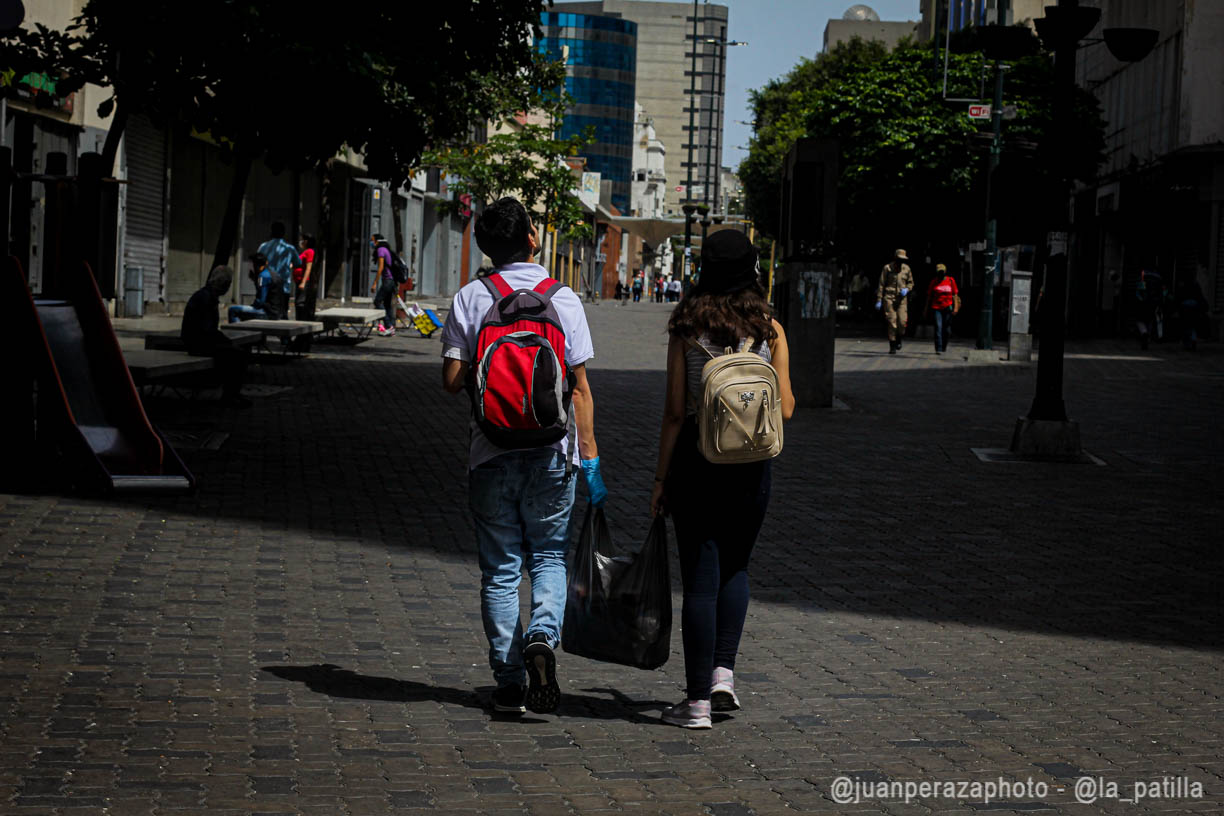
x=680 y=189
x=979 y=111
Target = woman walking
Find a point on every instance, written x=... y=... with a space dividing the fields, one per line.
x=717 y=508
x=306 y=279
x=942 y=301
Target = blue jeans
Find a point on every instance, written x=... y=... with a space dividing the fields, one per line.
x=943 y=328
x=521 y=503
x=236 y=312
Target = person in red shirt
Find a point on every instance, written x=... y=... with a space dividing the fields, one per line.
x=943 y=299
x=305 y=279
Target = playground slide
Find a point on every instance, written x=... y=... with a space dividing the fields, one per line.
x=90 y=425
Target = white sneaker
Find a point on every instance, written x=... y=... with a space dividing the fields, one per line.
x=722 y=691
x=689 y=714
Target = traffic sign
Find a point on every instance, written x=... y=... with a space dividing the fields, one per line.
x=680 y=189
x=979 y=111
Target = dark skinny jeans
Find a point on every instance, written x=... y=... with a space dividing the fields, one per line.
x=717 y=511
x=385 y=297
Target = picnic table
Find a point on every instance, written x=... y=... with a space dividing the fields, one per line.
x=363 y=320
x=286 y=330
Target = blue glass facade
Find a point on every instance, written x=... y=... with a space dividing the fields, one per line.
x=601 y=70
x=966 y=13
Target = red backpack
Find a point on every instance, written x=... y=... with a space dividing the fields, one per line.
x=522 y=388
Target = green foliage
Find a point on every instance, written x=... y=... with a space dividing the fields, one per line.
x=269 y=77
x=909 y=160
x=524 y=159
x=780 y=112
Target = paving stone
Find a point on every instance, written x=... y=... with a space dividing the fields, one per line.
x=297 y=637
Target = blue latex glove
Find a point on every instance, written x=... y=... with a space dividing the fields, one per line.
x=595 y=483
x=879 y=304
x=904 y=292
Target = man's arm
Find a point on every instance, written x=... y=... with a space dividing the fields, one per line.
x=584 y=413
x=454 y=375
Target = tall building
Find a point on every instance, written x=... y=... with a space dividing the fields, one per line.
x=600 y=72
x=649 y=176
x=665 y=73
x=1158 y=203
x=862 y=21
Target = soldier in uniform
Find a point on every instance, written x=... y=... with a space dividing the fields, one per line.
x=895 y=283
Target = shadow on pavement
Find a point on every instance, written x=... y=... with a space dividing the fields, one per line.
x=877 y=510
x=334 y=681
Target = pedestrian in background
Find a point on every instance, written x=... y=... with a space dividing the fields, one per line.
x=267 y=294
x=282 y=258
x=201 y=334
x=896 y=281
x=717 y=508
x=673 y=290
x=521 y=499
x=1191 y=305
x=859 y=286
x=942 y=300
x=383 y=286
x=305 y=279
x=638 y=283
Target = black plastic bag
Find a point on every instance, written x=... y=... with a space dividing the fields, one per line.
x=618 y=604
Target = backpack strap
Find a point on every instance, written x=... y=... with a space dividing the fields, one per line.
x=548 y=287
x=497 y=286
x=699 y=347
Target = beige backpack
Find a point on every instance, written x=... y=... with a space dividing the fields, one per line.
x=739 y=415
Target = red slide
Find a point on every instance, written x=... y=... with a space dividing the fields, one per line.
x=90 y=428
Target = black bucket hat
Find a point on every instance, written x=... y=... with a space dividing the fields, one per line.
x=728 y=263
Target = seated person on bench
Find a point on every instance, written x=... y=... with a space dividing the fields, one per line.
x=203 y=338
x=267 y=294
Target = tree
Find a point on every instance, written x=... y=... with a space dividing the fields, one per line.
x=525 y=157
x=265 y=79
x=909 y=161
x=780 y=112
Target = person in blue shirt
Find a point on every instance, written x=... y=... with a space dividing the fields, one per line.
x=283 y=258
x=266 y=294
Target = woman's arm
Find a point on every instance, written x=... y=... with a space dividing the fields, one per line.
x=780 y=353
x=673 y=420
x=306 y=273
x=379 y=275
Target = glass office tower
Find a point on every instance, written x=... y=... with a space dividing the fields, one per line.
x=600 y=75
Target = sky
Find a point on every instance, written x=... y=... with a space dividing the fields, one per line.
x=778 y=33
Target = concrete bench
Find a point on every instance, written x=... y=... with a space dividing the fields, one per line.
x=150 y=366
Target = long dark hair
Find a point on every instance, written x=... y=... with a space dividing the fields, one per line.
x=725 y=318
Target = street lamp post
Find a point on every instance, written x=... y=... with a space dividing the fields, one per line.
x=1046 y=431
x=722 y=44
x=688 y=206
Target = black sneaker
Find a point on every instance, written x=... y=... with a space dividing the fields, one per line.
x=543 y=693
x=509 y=700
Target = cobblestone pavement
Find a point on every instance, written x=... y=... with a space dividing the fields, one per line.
x=303 y=635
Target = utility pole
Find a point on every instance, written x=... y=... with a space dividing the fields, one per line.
x=986 y=319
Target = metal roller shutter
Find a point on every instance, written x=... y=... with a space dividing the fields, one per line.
x=145 y=234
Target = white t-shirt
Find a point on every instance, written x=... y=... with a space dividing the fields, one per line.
x=468 y=309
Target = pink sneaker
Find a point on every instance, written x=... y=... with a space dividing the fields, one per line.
x=689 y=714
x=722 y=692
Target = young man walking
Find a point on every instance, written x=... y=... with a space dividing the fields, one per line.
x=282 y=258
x=521 y=498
